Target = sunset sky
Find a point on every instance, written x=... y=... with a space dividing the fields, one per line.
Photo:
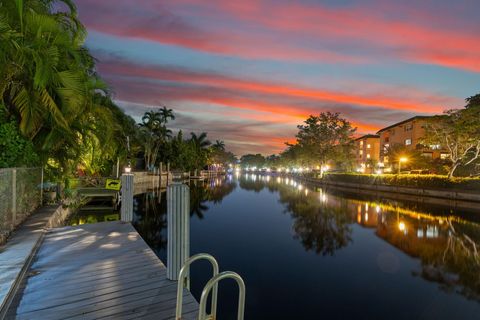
x=247 y=72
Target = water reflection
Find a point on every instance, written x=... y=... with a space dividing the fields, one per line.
x=446 y=244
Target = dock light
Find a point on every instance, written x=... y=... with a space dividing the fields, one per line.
x=300 y=169
x=127 y=169
x=378 y=171
x=402 y=159
x=401 y=226
x=287 y=170
x=268 y=170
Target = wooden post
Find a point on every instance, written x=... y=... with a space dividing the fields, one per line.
x=168 y=172
x=41 y=189
x=178 y=234
x=118 y=168
x=161 y=171
x=126 y=210
x=14 y=196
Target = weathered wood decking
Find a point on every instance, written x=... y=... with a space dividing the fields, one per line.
x=98 y=271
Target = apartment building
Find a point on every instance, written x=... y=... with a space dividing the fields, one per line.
x=367 y=152
x=408 y=133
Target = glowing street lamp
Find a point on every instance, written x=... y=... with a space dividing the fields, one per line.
x=402 y=159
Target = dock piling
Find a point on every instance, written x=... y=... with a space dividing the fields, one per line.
x=178 y=219
x=126 y=211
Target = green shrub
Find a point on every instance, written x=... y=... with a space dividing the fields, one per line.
x=408 y=180
x=15 y=150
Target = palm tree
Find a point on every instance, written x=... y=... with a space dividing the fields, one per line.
x=152 y=120
x=201 y=141
x=46 y=72
x=219 y=145
x=200 y=145
x=154 y=134
x=166 y=114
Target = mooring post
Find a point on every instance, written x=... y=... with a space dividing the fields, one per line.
x=168 y=172
x=160 y=177
x=126 y=210
x=178 y=234
x=14 y=196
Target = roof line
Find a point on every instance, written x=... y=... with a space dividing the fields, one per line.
x=402 y=122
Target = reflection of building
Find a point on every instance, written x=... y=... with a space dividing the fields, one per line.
x=367 y=152
x=408 y=133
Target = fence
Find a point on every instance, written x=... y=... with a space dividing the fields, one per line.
x=20 y=194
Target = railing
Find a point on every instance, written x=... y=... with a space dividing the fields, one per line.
x=211 y=284
x=183 y=282
x=20 y=194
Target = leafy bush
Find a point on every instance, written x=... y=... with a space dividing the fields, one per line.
x=15 y=150
x=408 y=180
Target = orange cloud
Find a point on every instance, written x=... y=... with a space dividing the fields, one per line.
x=384 y=101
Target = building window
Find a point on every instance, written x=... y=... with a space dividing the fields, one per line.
x=360 y=152
x=368 y=155
x=408 y=126
x=368 y=146
x=444 y=156
x=427 y=155
x=435 y=146
x=361 y=143
x=408 y=142
x=387 y=139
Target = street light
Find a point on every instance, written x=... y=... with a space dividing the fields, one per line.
x=402 y=159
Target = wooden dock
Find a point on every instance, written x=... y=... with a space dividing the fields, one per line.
x=97 y=271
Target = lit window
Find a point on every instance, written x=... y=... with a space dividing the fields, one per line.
x=427 y=154
x=361 y=143
x=408 y=142
x=368 y=146
x=368 y=155
x=434 y=146
x=360 y=152
x=444 y=156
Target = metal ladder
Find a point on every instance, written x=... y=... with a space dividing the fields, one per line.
x=211 y=284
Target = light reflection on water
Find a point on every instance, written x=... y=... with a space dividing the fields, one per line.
x=306 y=252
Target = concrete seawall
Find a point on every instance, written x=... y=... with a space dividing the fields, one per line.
x=456 y=199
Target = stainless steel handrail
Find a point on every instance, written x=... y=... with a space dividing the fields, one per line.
x=213 y=283
x=182 y=282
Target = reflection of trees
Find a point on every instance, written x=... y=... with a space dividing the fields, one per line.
x=208 y=191
x=151 y=219
x=252 y=185
x=320 y=227
x=461 y=258
x=451 y=258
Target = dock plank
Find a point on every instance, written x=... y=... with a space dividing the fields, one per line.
x=98 y=271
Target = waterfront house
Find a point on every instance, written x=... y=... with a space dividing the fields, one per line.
x=367 y=152
x=409 y=133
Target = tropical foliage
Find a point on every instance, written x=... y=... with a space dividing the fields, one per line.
x=50 y=92
x=458 y=131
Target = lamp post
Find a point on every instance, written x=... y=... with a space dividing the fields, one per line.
x=402 y=159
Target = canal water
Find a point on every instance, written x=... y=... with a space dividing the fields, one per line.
x=309 y=253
